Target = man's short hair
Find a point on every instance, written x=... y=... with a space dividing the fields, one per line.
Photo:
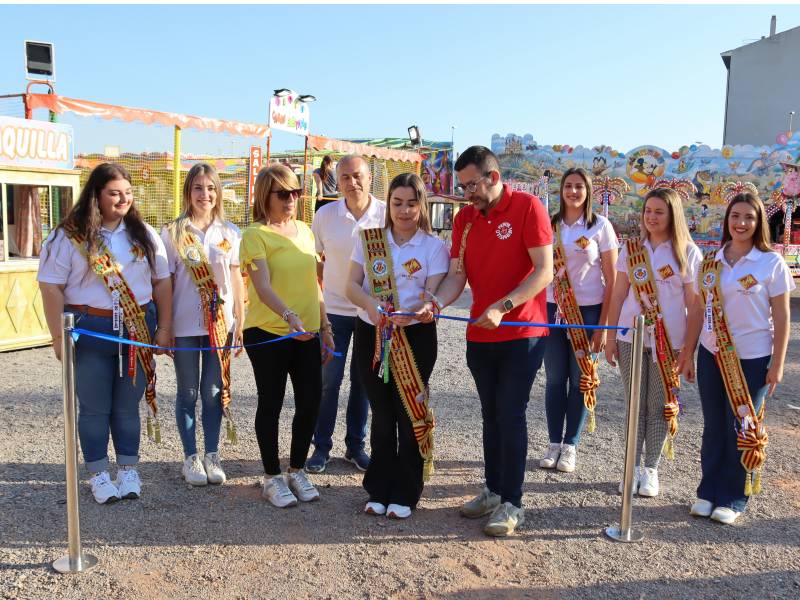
x=348 y=158
x=480 y=156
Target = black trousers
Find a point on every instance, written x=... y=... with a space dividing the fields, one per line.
x=394 y=475
x=272 y=363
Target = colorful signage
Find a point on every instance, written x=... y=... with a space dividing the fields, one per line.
x=40 y=144
x=287 y=113
x=256 y=160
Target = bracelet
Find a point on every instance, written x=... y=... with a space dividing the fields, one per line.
x=288 y=313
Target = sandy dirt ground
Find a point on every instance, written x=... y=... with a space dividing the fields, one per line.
x=226 y=542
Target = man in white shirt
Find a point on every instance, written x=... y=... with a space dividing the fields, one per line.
x=336 y=228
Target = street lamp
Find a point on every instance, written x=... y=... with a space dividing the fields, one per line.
x=306 y=98
x=414 y=135
x=453 y=159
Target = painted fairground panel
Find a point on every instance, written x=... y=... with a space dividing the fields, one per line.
x=704 y=176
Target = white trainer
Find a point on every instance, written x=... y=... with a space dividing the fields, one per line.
x=701 y=508
x=551 y=457
x=193 y=471
x=301 y=486
x=398 y=511
x=103 y=490
x=276 y=491
x=725 y=515
x=648 y=484
x=213 y=467
x=375 y=508
x=566 y=462
x=128 y=482
x=637 y=476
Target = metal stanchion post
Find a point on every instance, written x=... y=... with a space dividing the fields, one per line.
x=624 y=533
x=76 y=561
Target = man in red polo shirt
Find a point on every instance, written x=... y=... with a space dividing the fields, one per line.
x=502 y=246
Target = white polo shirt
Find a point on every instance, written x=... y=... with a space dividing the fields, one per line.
x=335 y=232
x=422 y=256
x=582 y=247
x=221 y=246
x=669 y=284
x=747 y=288
x=63 y=264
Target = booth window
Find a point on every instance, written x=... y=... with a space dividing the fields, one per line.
x=31 y=211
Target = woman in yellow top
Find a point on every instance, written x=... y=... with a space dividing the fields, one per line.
x=281 y=261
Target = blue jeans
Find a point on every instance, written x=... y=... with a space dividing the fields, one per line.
x=189 y=383
x=107 y=403
x=504 y=374
x=357 y=403
x=722 y=481
x=563 y=400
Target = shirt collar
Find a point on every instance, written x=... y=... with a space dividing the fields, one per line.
x=667 y=244
x=121 y=227
x=415 y=240
x=754 y=255
x=580 y=222
x=504 y=202
x=372 y=209
x=213 y=225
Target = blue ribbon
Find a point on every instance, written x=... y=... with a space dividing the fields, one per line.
x=77 y=332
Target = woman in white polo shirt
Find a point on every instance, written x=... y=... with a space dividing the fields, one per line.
x=418 y=262
x=208 y=306
x=107 y=266
x=753 y=313
x=655 y=277
x=589 y=247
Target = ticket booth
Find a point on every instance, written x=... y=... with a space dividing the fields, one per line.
x=38 y=185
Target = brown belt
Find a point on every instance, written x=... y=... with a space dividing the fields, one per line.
x=90 y=310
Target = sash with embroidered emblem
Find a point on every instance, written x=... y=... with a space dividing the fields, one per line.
x=751 y=437
x=392 y=349
x=104 y=265
x=642 y=280
x=194 y=258
x=567 y=305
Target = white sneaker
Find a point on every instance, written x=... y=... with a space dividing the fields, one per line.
x=648 y=484
x=213 y=468
x=128 y=482
x=637 y=475
x=301 y=486
x=566 y=462
x=398 y=511
x=701 y=508
x=276 y=491
x=104 y=491
x=193 y=471
x=375 y=508
x=725 y=515
x=551 y=457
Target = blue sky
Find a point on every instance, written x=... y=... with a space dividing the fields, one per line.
x=617 y=75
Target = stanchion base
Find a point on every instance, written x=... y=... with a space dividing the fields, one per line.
x=633 y=535
x=86 y=562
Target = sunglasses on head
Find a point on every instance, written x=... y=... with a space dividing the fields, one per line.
x=285 y=195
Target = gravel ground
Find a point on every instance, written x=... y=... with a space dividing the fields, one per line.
x=226 y=542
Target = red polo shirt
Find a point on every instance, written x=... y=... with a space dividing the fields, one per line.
x=497 y=260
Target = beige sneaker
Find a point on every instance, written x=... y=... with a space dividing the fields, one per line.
x=480 y=505
x=551 y=456
x=504 y=520
x=213 y=467
x=566 y=462
x=193 y=471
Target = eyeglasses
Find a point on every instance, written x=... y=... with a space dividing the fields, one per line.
x=470 y=187
x=286 y=195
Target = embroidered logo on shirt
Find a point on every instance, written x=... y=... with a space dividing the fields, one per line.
x=504 y=230
x=747 y=281
x=582 y=242
x=224 y=245
x=379 y=266
x=412 y=266
x=138 y=252
x=666 y=272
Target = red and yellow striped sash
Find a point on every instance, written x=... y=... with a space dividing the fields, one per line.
x=641 y=276
x=564 y=296
x=413 y=391
x=752 y=436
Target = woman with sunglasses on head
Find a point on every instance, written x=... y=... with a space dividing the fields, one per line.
x=207 y=306
x=397 y=269
x=742 y=322
x=105 y=265
x=279 y=254
x=655 y=278
x=585 y=252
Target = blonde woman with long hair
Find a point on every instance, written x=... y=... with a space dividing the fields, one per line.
x=201 y=242
x=664 y=275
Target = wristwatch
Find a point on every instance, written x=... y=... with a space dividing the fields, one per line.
x=508 y=305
